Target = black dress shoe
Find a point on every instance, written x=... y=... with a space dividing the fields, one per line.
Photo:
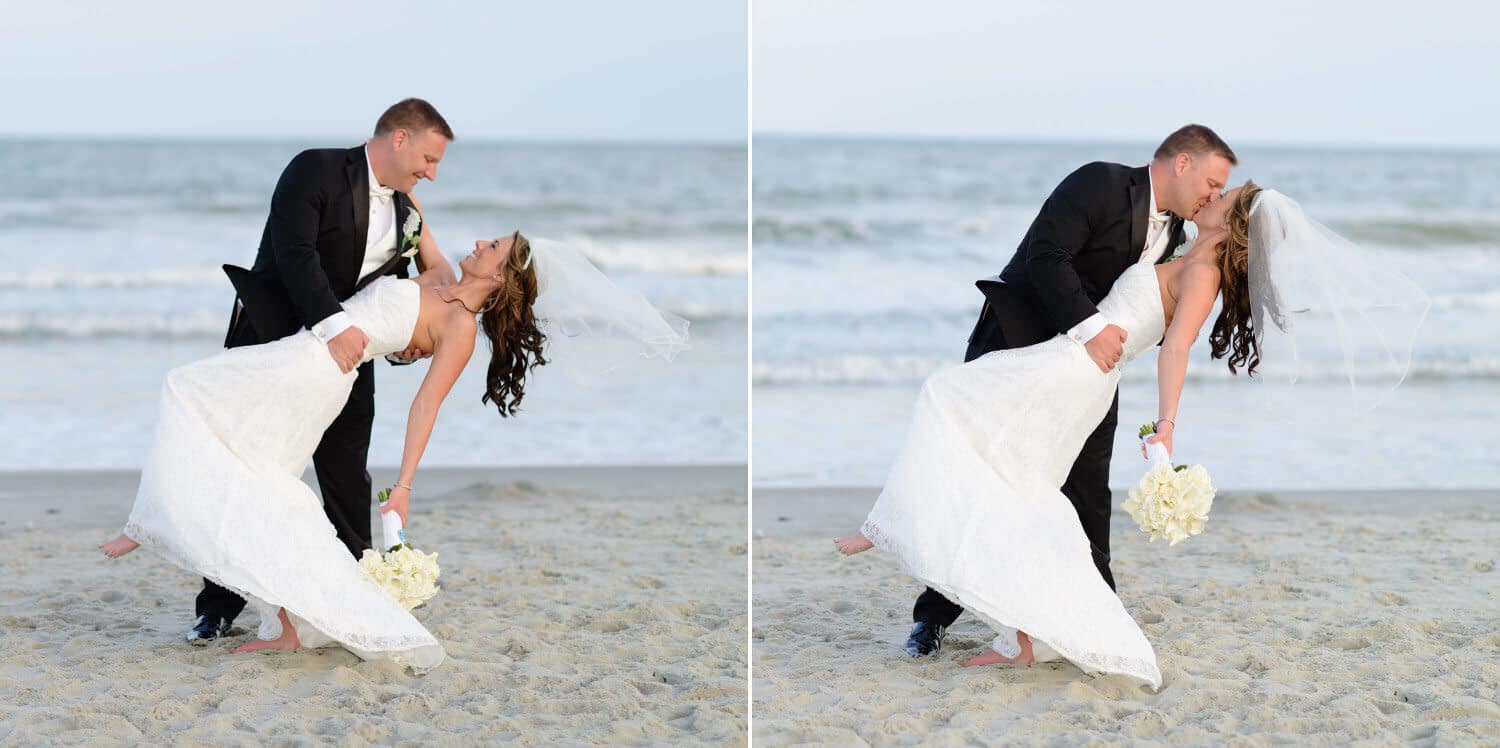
x=208 y=628
x=925 y=639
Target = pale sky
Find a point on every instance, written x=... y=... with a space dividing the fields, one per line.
x=1266 y=71
x=541 y=69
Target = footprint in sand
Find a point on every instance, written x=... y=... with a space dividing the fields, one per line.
x=1254 y=667
x=1422 y=732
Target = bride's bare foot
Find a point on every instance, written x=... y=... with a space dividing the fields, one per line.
x=119 y=546
x=288 y=638
x=991 y=657
x=853 y=544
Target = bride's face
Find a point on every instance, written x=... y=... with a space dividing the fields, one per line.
x=488 y=257
x=1215 y=215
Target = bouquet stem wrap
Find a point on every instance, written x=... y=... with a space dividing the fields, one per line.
x=1156 y=452
x=392 y=532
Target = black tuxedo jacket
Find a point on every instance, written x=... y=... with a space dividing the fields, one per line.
x=312 y=247
x=1089 y=231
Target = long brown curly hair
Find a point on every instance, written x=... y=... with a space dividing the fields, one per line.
x=1234 y=330
x=509 y=323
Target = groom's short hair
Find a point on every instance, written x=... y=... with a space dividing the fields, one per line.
x=413 y=115
x=1196 y=140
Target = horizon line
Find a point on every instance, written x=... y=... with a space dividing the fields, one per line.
x=1043 y=140
x=355 y=140
x=731 y=142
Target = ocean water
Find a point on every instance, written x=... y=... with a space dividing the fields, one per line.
x=110 y=277
x=865 y=254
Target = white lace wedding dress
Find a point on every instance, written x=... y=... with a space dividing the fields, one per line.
x=221 y=492
x=972 y=505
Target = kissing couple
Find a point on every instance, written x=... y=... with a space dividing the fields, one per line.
x=999 y=502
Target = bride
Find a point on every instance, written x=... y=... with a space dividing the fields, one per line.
x=972 y=505
x=242 y=425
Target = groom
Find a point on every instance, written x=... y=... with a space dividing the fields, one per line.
x=1101 y=219
x=335 y=218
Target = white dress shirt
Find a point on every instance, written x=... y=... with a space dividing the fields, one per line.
x=1157 y=238
x=380 y=246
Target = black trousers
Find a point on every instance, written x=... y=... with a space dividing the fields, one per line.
x=340 y=465
x=1006 y=322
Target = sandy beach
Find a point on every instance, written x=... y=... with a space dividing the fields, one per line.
x=1312 y=618
x=580 y=605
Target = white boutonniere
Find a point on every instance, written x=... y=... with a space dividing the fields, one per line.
x=411 y=234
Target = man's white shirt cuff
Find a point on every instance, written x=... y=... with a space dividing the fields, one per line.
x=1085 y=331
x=330 y=327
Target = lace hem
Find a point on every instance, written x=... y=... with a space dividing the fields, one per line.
x=1074 y=651
x=399 y=648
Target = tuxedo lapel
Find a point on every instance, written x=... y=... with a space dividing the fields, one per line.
x=403 y=209
x=1140 y=203
x=1178 y=237
x=357 y=173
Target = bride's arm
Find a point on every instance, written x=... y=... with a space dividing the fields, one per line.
x=453 y=351
x=429 y=257
x=1198 y=286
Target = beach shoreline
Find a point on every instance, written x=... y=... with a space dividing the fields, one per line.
x=1313 y=617
x=579 y=604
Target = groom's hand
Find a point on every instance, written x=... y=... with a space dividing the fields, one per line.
x=413 y=354
x=348 y=347
x=1106 y=347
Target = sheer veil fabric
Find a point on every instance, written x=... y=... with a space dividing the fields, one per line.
x=594 y=326
x=1321 y=304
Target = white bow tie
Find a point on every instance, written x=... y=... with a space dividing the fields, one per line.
x=381 y=193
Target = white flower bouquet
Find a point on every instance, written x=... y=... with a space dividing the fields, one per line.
x=1170 y=502
x=407 y=574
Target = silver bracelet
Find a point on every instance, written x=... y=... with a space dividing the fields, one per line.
x=395 y=486
x=1168 y=420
